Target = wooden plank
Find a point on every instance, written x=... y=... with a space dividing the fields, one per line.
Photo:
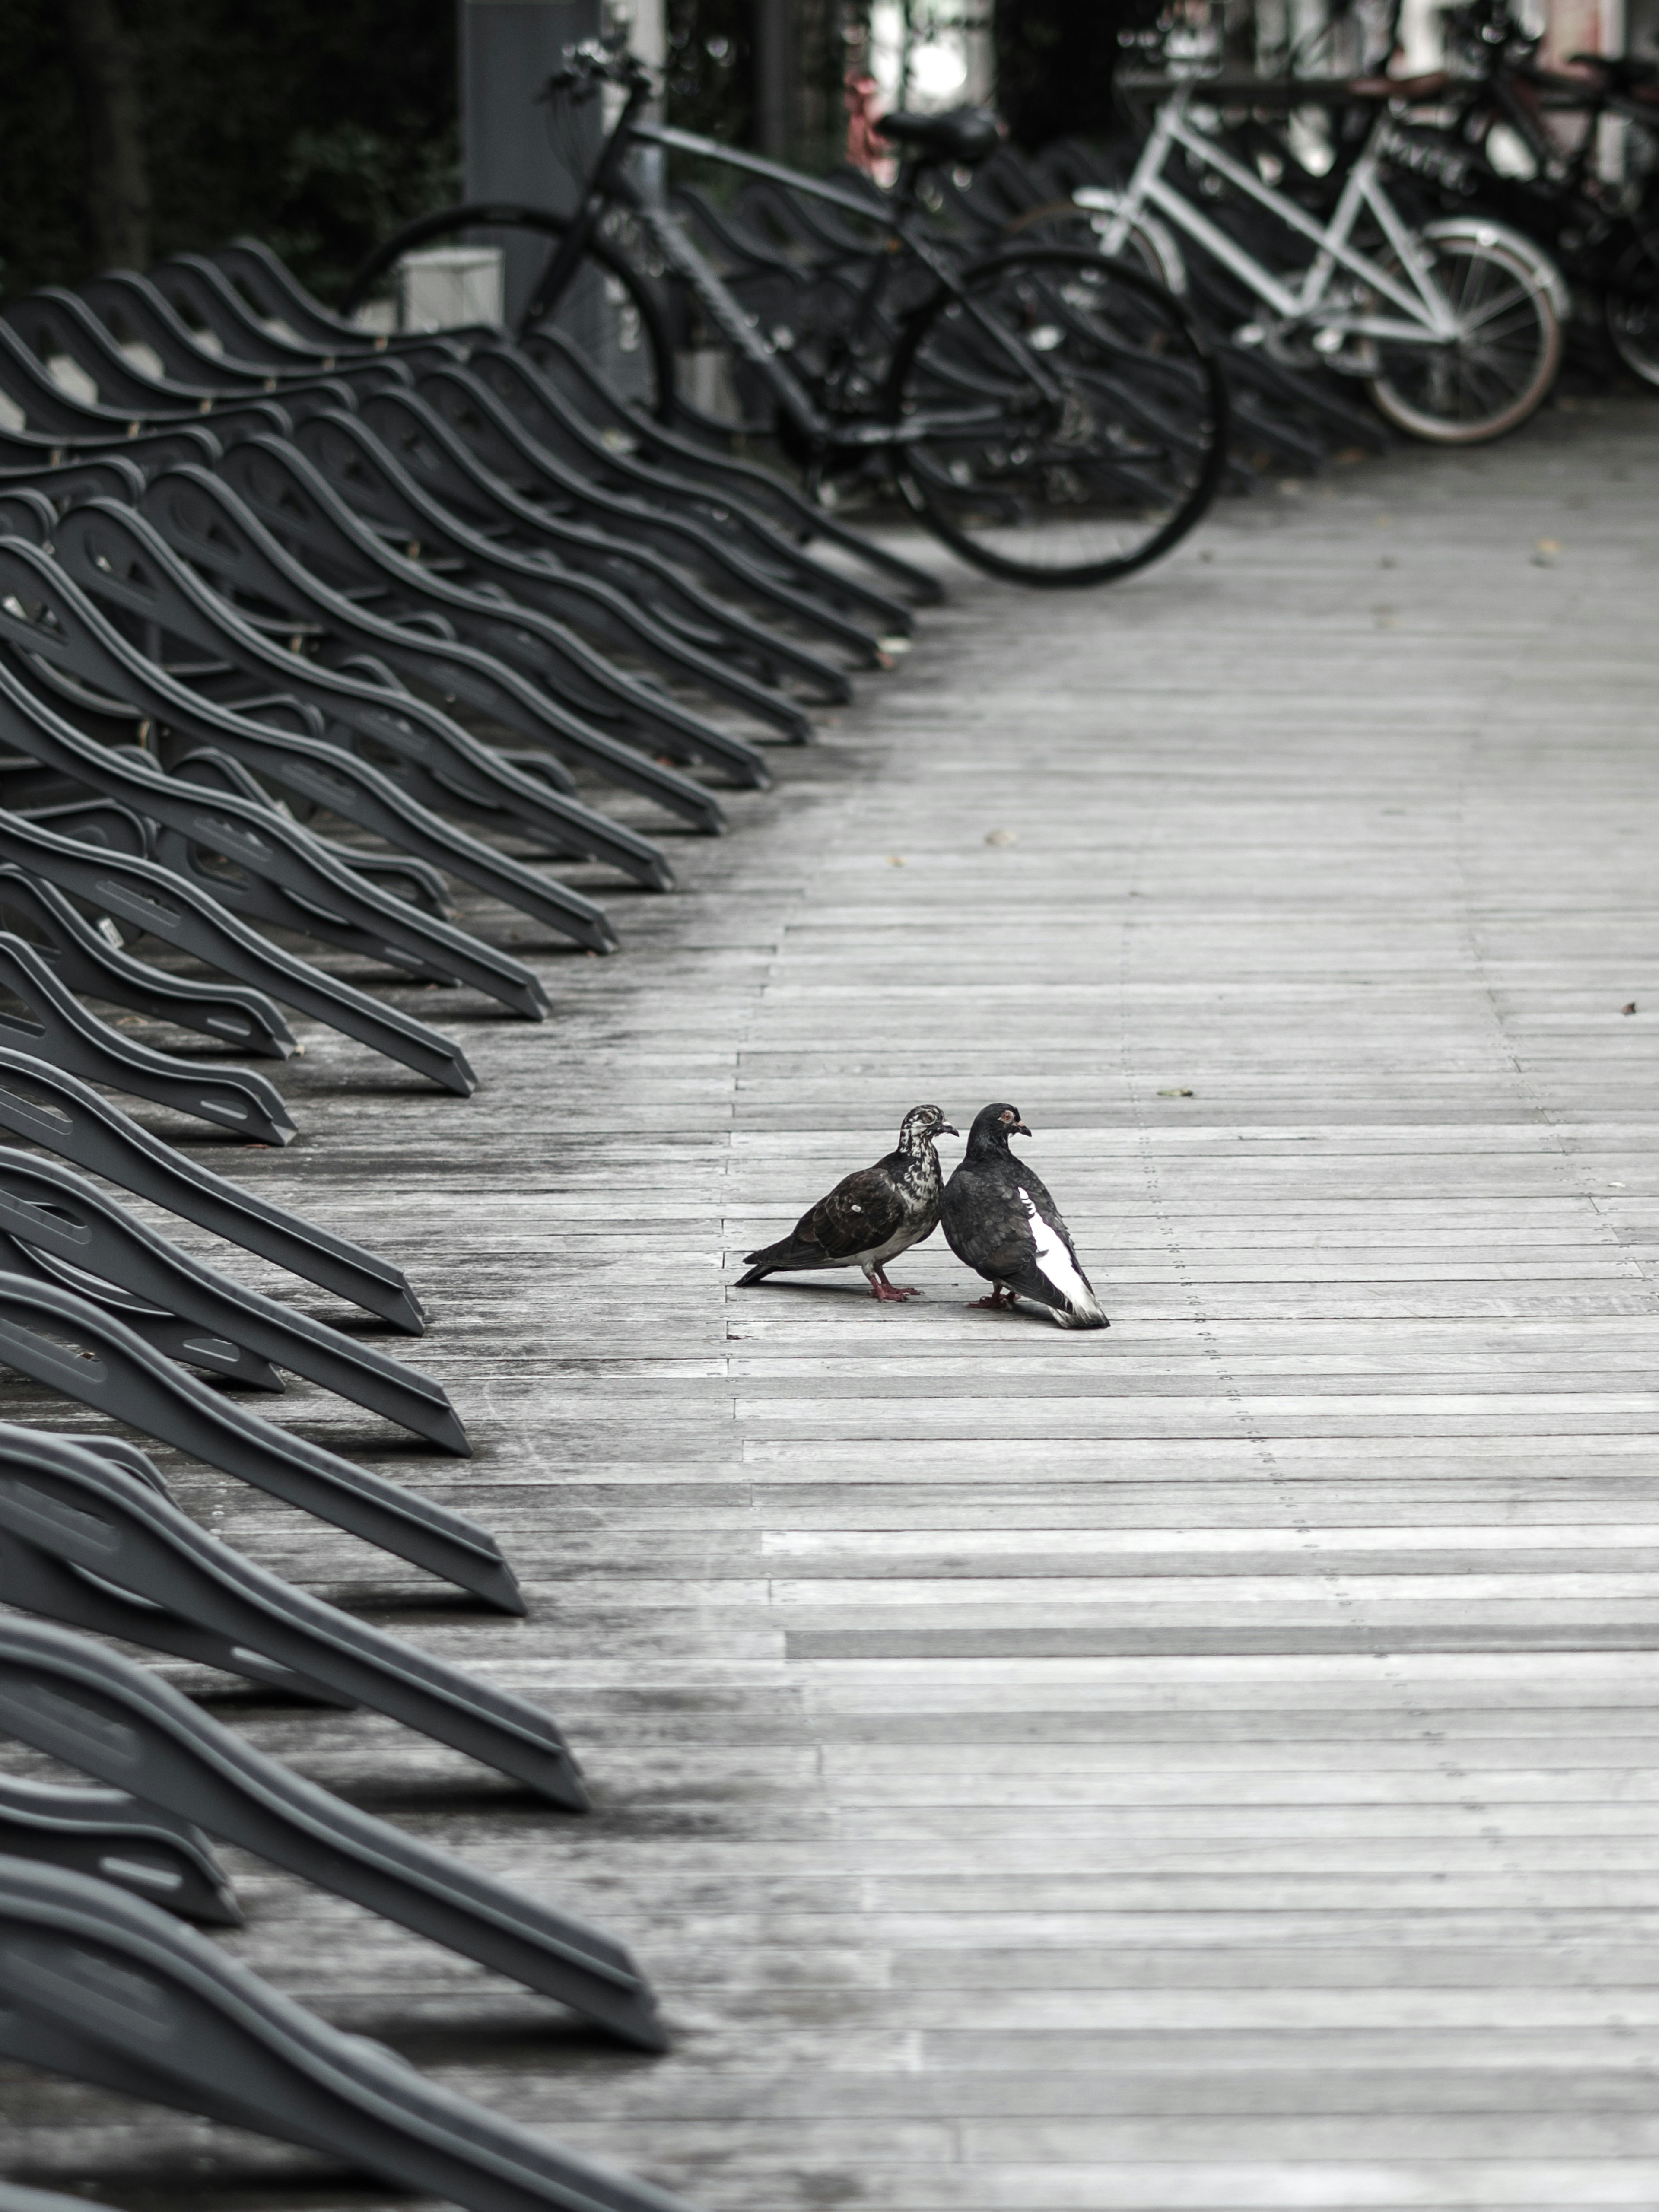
x=1208 y=1766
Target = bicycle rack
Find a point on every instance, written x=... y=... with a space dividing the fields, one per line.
x=85 y=1542
x=15 y=2198
x=120 y=297
x=553 y=355
x=488 y=471
x=119 y=1838
x=278 y=295
x=125 y=1726
x=299 y=504
x=71 y=1232
x=85 y=961
x=418 y=476
x=138 y=895
x=55 y=1026
x=267 y=864
x=193 y=279
x=438 y=659
x=562 y=431
x=129 y=561
x=28 y=514
x=412 y=474
x=53 y=321
x=107 y=1989
x=299 y=762
x=216 y=1356
x=687 y=541
x=64 y=471
x=205 y=521
x=69 y=1344
x=58 y=1111
x=49 y=410
x=416 y=882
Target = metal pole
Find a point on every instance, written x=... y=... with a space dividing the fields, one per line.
x=509 y=48
x=774 y=78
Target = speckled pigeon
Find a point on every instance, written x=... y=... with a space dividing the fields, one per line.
x=1001 y=1221
x=869 y=1217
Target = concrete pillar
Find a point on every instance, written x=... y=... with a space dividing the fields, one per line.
x=774 y=78
x=509 y=48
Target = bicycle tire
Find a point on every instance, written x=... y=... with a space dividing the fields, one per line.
x=1535 y=356
x=496 y=215
x=1138 y=450
x=1631 y=307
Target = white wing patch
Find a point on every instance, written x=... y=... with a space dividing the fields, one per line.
x=1056 y=1261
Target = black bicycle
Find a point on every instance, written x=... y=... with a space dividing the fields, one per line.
x=1056 y=418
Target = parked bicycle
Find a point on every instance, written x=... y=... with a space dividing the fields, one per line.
x=1054 y=416
x=1454 y=326
x=1490 y=140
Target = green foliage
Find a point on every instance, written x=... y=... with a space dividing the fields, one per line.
x=40 y=227
x=318 y=124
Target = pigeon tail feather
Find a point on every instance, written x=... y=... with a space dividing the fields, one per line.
x=1071 y=1295
x=1028 y=1280
x=789 y=1252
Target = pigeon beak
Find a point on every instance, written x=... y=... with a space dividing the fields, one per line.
x=1019 y=1129
x=946 y=1130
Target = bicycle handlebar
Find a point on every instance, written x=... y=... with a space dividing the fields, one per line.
x=595 y=62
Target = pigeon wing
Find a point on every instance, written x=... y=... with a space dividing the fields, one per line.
x=1038 y=1191
x=863 y=1211
x=1007 y=1230
x=985 y=1226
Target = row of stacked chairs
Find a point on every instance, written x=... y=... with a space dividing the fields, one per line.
x=304 y=633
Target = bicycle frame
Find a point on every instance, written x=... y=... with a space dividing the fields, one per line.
x=1432 y=321
x=611 y=182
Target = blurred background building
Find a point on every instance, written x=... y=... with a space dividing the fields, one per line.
x=132 y=128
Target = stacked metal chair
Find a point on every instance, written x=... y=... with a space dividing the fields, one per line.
x=299 y=627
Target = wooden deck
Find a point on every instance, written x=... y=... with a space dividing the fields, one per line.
x=1208 y=1766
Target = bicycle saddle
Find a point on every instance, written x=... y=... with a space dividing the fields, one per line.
x=966 y=135
x=1623 y=72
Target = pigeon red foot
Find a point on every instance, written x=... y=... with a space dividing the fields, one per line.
x=998 y=1299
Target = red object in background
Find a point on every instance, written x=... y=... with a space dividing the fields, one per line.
x=864 y=150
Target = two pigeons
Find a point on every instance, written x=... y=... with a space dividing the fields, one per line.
x=998 y=1217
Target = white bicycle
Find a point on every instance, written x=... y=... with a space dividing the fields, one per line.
x=1455 y=329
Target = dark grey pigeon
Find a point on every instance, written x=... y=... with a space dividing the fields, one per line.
x=869 y=1217
x=1001 y=1221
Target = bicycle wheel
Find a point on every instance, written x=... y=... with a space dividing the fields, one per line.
x=612 y=308
x=1499 y=368
x=1631 y=307
x=1068 y=417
